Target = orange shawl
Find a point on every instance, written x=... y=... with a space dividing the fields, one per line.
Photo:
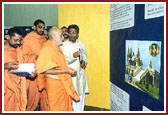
x=32 y=44
x=15 y=97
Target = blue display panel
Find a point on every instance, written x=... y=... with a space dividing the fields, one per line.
x=143 y=30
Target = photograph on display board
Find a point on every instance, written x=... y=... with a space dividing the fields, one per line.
x=142 y=65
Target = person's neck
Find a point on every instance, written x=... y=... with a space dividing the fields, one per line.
x=6 y=43
x=52 y=40
x=37 y=33
x=73 y=41
x=65 y=39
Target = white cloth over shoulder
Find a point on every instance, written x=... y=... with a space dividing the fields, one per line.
x=80 y=81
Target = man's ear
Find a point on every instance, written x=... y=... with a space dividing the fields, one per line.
x=7 y=37
x=34 y=27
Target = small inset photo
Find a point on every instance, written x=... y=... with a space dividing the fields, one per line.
x=154 y=49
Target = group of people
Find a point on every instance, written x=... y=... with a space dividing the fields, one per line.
x=58 y=83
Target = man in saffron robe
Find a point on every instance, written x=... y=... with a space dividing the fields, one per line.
x=15 y=97
x=59 y=84
x=32 y=44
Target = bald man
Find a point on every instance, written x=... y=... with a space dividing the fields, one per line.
x=58 y=82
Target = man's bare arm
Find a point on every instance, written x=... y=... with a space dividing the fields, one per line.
x=56 y=72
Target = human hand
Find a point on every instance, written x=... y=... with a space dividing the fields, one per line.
x=33 y=74
x=76 y=54
x=11 y=65
x=82 y=64
x=36 y=57
x=72 y=72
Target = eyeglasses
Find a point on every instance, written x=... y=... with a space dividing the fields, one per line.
x=73 y=32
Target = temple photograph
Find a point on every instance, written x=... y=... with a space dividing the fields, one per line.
x=142 y=69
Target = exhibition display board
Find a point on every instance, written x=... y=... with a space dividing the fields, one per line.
x=137 y=80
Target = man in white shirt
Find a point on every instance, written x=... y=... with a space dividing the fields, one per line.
x=75 y=53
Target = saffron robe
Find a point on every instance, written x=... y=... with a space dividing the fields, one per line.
x=60 y=92
x=15 y=96
x=32 y=44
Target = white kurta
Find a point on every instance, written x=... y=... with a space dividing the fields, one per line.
x=80 y=81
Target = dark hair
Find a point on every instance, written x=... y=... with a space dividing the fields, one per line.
x=73 y=26
x=64 y=27
x=13 y=31
x=38 y=21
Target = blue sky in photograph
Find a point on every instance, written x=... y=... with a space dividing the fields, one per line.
x=144 y=52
